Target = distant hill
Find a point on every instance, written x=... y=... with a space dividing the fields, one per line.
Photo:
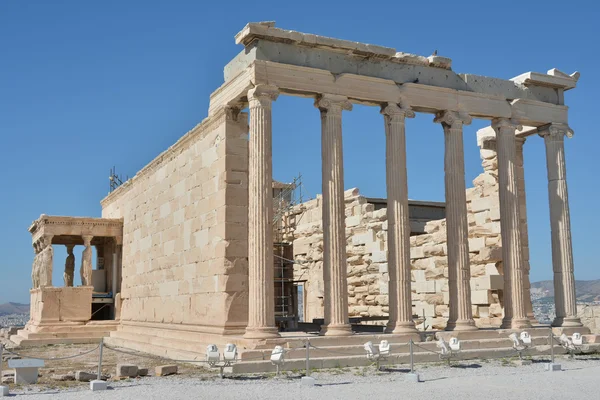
x=14 y=308
x=586 y=290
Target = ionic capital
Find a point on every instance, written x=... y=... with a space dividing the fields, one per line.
x=232 y=113
x=87 y=240
x=453 y=119
x=333 y=104
x=556 y=132
x=506 y=124
x=262 y=95
x=396 y=112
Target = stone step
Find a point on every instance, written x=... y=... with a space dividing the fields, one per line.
x=329 y=351
x=23 y=342
x=394 y=359
x=65 y=335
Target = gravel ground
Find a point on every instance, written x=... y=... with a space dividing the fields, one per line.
x=500 y=379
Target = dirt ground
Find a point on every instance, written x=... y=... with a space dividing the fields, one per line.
x=89 y=363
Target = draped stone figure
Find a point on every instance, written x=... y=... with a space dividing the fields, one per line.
x=35 y=270
x=69 y=267
x=86 y=262
x=45 y=262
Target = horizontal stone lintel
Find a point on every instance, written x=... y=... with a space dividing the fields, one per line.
x=309 y=82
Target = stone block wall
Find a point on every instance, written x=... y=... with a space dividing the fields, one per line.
x=590 y=316
x=366 y=233
x=185 y=231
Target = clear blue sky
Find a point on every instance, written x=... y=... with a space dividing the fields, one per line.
x=88 y=85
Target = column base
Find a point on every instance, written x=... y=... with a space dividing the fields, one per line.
x=532 y=319
x=401 y=327
x=564 y=322
x=461 y=325
x=336 y=330
x=266 y=332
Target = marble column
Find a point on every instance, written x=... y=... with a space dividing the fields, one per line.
x=560 y=224
x=400 y=299
x=457 y=225
x=86 y=261
x=515 y=311
x=261 y=309
x=520 y=141
x=69 y=266
x=334 y=231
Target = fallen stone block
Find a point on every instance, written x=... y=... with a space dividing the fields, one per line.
x=63 y=377
x=142 y=372
x=164 y=370
x=83 y=376
x=4 y=391
x=127 y=370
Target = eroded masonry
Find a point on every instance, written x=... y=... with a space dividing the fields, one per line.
x=194 y=254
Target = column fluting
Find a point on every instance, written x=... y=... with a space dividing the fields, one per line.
x=399 y=267
x=515 y=312
x=457 y=226
x=334 y=231
x=560 y=224
x=261 y=301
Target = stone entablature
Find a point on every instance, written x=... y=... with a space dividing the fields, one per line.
x=70 y=230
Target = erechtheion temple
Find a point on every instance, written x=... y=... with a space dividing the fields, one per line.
x=187 y=250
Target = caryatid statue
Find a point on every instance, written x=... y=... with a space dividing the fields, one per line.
x=46 y=261
x=35 y=270
x=86 y=262
x=69 y=266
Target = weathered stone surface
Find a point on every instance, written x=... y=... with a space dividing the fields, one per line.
x=164 y=370
x=127 y=370
x=63 y=377
x=142 y=372
x=83 y=376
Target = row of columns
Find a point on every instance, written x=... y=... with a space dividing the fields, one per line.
x=261 y=322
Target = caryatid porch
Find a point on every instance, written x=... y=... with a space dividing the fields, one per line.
x=338 y=73
x=66 y=310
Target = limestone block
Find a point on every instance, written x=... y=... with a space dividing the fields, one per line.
x=383 y=268
x=484 y=312
x=383 y=287
x=483 y=297
x=495 y=310
x=436 y=298
x=127 y=370
x=435 y=250
x=490 y=254
x=379 y=257
x=446 y=296
x=488 y=282
x=423 y=308
x=481 y=204
x=493 y=227
x=494 y=213
x=83 y=376
x=482 y=217
x=418 y=275
x=490 y=269
x=425 y=287
x=97 y=385
x=353 y=221
x=442 y=310
x=476 y=244
x=416 y=252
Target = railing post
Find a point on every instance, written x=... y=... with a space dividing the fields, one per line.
x=307 y=357
x=412 y=361
x=100 y=359
x=552 y=346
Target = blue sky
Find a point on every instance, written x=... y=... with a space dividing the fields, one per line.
x=88 y=85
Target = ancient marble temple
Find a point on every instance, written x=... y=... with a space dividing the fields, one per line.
x=196 y=247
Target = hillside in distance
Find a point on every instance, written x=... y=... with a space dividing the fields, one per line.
x=13 y=308
x=586 y=290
